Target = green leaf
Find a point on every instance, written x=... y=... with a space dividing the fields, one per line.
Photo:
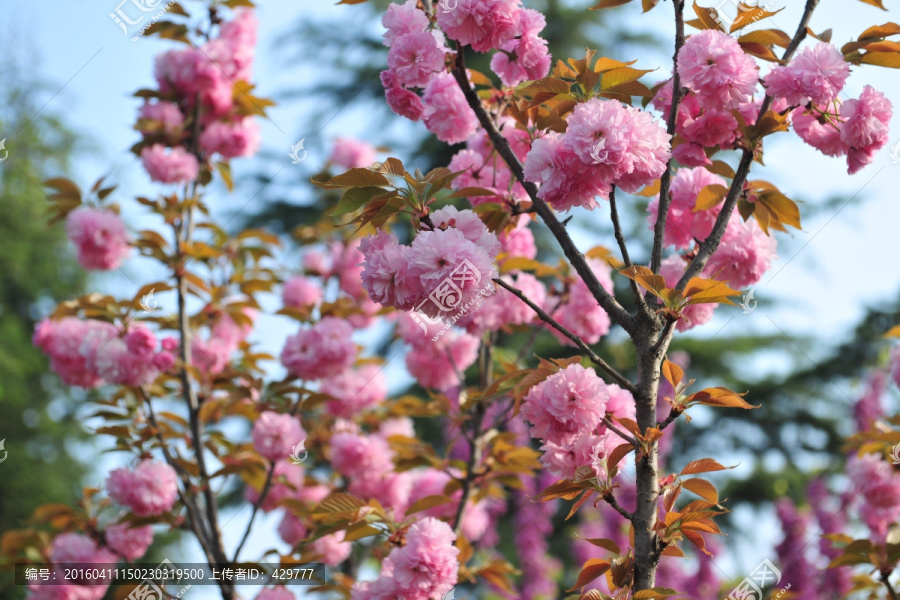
x=354 y=198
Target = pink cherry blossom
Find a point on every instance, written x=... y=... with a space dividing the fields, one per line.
x=359 y=456
x=427 y=566
x=817 y=74
x=471 y=226
x=503 y=308
x=130 y=543
x=481 y=24
x=287 y=483
x=166 y=115
x=818 y=132
x=414 y=58
x=691 y=155
x=175 y=165
x=400 y=19
x=519 y=241
x=291 y=529
x=349 y=153
x=446 y=114
x=439 y=365
x=276 y=593
x=712 y=128
x=100 y=237
x=301 y=292
x=525 y=57
x=275 y=435
x=323 y=350
x=715 y=67
x=355 y=390
x=565 y=180
x=150 y=489
x=580 y=313
x=567 y=404
x=866 y=126
x=331 y=549
x=386 y=272
x=683 y=223
x=744 y=254
x=231 y=140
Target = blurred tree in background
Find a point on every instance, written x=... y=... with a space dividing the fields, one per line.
x=37 y=424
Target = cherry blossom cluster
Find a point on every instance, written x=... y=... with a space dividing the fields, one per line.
x=99 y=236
x=566 y=412
x=196 y=91
x=424 y=568
x=88 y=352
x=418 y=52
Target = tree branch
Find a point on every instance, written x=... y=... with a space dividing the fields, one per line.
x=607 y=420
x=887 y=584
x=607 y=368
x=611 y=500
x=623 y=248
x=606 y=300
x=673 y=415
x=666 y=179
x=711 y=243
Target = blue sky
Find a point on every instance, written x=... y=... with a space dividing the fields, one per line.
x=840 y=262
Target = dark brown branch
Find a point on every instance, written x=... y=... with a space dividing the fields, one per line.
x=673 y=415
x=611 y=500
x=616 y=312
x=666 y=179
x=607 y=368
x=711 y=243
x=259 y=501
x=623 y=248
x=887 y=584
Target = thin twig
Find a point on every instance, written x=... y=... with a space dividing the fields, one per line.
x=623 y=248
x=887 y=584
x=673 y=414
x=616 y=312
x=611 y=500
x=607 y=420
x=617 y=377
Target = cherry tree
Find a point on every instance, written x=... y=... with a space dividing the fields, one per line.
x=447 y=262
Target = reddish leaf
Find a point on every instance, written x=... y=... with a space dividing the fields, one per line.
x=704 y=465
x=591 y=570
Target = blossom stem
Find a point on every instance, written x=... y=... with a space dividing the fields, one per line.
x=620 y=239
x=609 y=370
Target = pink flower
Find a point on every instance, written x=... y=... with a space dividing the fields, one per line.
x=564 y=178
x=149 y=490
x=358 y=456
x=712 y=128
x=691 y=155
x=287 y=482
x=683 y=223
x=275 y=435
x=816 y=74
x=276 y=593
x=291 y=529
x=440 y=364
x=672 y=268
x=349 y=153
x=72 y=345
x=519 y=241
x=414 y=58
x=435 y=256
x=880 y=488
x=301 y=292
x=715 y=67
x=166 y=117
x=386 y=272
x=471 y=226
x=446 y=114
x=401 y=19
x=100 y=236
x=397 y=426
x=525 y=57
x=482 y=24
x=404 y=103
x=567 y=404
x=175 y=166
x=130 y=543
x=427 y=566
x=355 y=390
x=744 y=254
x=331 y=549
x=231 y=139
x=76 y=548
x=581 y=314
x=866 y=127
x=323 y=350
x=817 y=132
x=503 y=308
